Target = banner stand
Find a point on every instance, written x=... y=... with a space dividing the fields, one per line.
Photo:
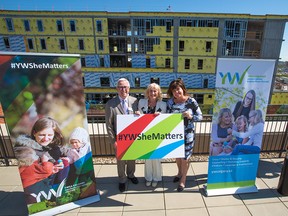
x=227 y=191
x=69 y=206
x=42 y=95
x=241 y=98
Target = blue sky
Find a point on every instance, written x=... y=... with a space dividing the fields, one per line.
x=255 y=7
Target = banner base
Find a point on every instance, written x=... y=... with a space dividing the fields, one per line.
x=227 y=191
x=69 y=206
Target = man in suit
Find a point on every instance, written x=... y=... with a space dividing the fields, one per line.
x=121 y=105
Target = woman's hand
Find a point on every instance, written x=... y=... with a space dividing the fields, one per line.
x=137 y=113
x=187 y=114
x=229 y=131
x=57 y=168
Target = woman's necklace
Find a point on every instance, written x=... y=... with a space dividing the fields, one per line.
x=151 y=104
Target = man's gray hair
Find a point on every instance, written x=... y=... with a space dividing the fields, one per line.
x=123 y=79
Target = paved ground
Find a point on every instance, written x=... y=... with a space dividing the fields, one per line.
x=140 y=200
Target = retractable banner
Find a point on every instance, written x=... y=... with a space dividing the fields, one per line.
x=150 y=136
x=241 y=99
x=43 y=102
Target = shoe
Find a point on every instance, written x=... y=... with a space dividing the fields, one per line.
x=180 y=188
x=122 y=187
x=154 y=183
x=176 y=179
x=148 y=183
x=134 y=180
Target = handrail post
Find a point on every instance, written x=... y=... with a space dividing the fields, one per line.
x=284 y=141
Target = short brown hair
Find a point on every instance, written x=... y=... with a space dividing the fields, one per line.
x=174 y=84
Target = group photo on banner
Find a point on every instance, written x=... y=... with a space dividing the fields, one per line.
x=241 y=99
x=43 y=102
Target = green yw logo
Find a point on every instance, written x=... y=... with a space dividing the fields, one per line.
x=236 y=76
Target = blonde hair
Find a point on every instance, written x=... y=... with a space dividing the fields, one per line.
x=257 y=116
x=242 y=117
x=222 y=112
x=154 y=86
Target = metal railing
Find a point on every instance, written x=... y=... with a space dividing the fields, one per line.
x=275 y=136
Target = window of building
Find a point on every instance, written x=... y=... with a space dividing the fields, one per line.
x=189 y=23
x=59 y=25
x=43 y=44
x=27 y=25
x=81 y=44
x=155 y=80
x=208 y=46
x=167 y=63
x=83 y=62
x=101 y=61
x=141 y=46
x=205 y=83
x=100 y=45
x=187 y=63
x=148 y=62
x=148 y=25
x=129 y=48
x=99 y=26
x=129 y=61
x=104 y=82
x=137 y=82
x=40 y=26
x=199 y=98
x=181 y=45
x=6 y=42
x=168 y=45
x=72 y=26
x=233 y=47
x=30 y=43
x=83 y=81
x=200 y=64
x=9 y=24
x=62 y=44
x=237 y=28
x=168 y=26
x=199 y=23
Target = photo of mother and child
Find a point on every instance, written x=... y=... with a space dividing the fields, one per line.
x=44 y=159
x=238 y=132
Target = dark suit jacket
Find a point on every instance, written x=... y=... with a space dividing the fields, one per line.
x=112 y=109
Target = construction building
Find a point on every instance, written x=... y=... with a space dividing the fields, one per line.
x=146 y=47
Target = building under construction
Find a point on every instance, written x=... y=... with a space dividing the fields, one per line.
x=146 y=47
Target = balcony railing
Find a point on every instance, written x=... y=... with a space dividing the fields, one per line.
x=275 y=138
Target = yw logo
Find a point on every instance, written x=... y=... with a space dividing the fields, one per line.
x=51 y=193
x=236 y=76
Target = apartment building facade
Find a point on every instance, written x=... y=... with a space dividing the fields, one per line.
x=146 y=47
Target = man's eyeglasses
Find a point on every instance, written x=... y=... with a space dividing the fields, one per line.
x=122 y=87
